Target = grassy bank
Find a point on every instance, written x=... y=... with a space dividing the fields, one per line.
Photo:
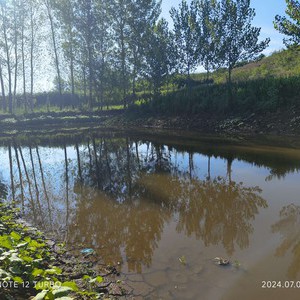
x=260 y=95
x=33 y=267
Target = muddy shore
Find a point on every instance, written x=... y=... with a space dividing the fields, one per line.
x=282 y=122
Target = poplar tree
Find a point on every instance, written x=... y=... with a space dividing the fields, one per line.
x=158 y=55
x=186 y=36
x=209 y=33
x=290 y=26
x=239 y=40
x=49 y=4
x=142 y=18
x=65 y=11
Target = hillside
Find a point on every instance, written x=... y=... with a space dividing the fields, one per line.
x=284 y=63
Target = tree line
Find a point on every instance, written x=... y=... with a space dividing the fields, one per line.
x=109 y=51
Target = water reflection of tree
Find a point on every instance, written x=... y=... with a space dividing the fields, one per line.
x=3 y=191
x=125 y=191
x=217 y=211
x=288 y=226
x=133 y=228
x=111 y=166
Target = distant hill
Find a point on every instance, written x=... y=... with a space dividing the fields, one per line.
x=284 y=63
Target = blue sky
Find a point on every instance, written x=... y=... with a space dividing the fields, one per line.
x=265 y=14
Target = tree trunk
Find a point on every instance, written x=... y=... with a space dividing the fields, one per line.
x=229 y=85
x=23 y=64
x=48 y=5
x=8 y=62
x=4 y=104
x=16 y=54
x=31 y=56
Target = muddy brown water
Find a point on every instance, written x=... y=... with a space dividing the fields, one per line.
x=163 y=207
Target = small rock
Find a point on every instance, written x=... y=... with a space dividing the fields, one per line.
x=115 y=289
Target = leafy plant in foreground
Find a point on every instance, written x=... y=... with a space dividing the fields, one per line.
x=27 y=262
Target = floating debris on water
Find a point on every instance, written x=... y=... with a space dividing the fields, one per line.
x=221 y=261
x=182 y=259
x=87 y=251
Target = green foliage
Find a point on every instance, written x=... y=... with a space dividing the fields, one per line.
x=26 y=259
x=186 y=35
x=290 y=26
x=268 y=94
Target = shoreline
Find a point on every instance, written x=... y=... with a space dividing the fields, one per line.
x=280 y=123
x=32 y=263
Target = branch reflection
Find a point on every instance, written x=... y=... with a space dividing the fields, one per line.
x=288 y=227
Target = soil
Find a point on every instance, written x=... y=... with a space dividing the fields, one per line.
x=281 y=122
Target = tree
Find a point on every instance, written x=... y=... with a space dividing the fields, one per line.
x=290 y=27
x=31 y=40
x=207 y=21
x=142 y=18
x=7 y=42
x=239 y=39
x=186 y=36
x=50 y=12
x=104 y=49
x=121 y=10
x=87 y=31
x=158 y=55
x=65 y=12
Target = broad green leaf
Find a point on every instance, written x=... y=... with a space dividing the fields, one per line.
x=37 y=272
x=15 y=236
x=21 y=245
x=26 y=258
x=71 y=284
x=61 y=291
x=98 y=279
x=27 y=239
x=41 y=295
x=64 y=298
x=35 y=244
x=15 y=258
x=54 y=270
x=18 y=279
x=5 y=242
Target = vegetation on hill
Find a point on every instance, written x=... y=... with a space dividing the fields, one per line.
x=283 y=63
x=263 y=85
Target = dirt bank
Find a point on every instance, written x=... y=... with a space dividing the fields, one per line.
x=285 y=122
x=281 y=122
